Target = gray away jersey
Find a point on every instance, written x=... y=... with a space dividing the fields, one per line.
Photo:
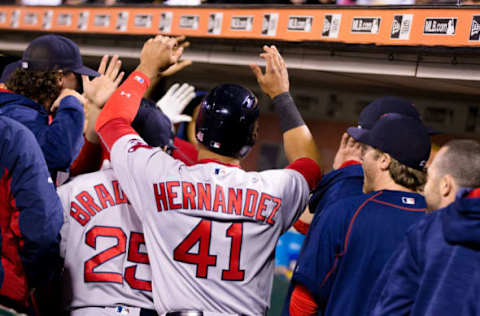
x=103 y=245
x=210 y=229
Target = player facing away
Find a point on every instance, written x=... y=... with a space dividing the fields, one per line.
x=107 y=269
x=211 y=228
x=106 y=264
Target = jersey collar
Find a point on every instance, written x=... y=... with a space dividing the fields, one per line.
x=208 y=160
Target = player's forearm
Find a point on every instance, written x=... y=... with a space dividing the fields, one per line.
x=120 y=110
x=297 y=140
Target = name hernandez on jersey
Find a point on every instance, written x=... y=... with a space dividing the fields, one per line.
x=174 y=195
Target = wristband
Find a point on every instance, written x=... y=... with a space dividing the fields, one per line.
x=287 y=112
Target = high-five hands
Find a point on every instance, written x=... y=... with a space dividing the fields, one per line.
x=160 y=53
x=275 y=79
x=175 y=100
x=101 y=88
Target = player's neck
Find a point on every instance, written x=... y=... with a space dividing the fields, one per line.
x=387 y=183
x=204 y=153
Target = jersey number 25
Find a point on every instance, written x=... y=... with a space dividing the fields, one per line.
x=134 y=256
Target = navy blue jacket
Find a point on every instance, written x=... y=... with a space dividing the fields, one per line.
x=347 y=246
x=62 y=139
x=337 y=184
x=436 y=270
x=30 y=214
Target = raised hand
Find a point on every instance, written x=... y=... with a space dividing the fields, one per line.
x=101 y=88
x=159 y=53
x=275 y=79
x=175 y=100
x=349 y=149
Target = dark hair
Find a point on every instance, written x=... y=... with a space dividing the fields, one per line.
x=41 y=86
x=462 y=161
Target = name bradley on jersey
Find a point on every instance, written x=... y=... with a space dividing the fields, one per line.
x=84 y=207
x=175 y=195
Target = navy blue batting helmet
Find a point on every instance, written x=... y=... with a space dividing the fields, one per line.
x=226 y=122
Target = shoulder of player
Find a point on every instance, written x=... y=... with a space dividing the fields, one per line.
x=399 y=199
x=100 y=176
x=276 y=175
x=342 y=210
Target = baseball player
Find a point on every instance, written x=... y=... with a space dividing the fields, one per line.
x=347 y=177
x=349 y=242
x=107 y=269
x=435 y=269
x=30 y=218
x=211 y=228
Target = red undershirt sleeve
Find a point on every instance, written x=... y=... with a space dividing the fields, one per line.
x=349 y=163
x=309 y=169
x=120 y=110
x=301 y=226
x=302 y=302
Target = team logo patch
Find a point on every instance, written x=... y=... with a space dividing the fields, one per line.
x=139 y=79
x=215 y=23
x=30 y=18
x=269 y=24
x=83 y=20
x=165 y=25
x=189 y=22
x=15 y=18
x=401 y=26
x=366 y=25
x=101 y=20
x=47 y=19
x=122 y=21
x=143 y=20
x=408 y=200
x=300 y=23
x=475 y=29
x=440 y=26
x=331 y=25
x=136 y=144
x=64 y=19
x=241 y=23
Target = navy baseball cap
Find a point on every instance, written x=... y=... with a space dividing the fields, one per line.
x=8 y=70
x=405 y=138
x=372 y=112
x=52 y=52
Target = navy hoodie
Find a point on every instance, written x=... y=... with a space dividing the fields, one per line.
x=436 y=270
x=61 y=140
x=338 y=184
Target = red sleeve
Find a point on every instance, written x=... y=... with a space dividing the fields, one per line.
x=121 y=108
x=185 y=151
x=474 y=194
x=88 y=160
x=309 y=170
x=302 y=302
x=301 y=227
x=349 y=163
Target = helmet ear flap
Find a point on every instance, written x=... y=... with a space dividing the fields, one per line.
x=226 y=121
